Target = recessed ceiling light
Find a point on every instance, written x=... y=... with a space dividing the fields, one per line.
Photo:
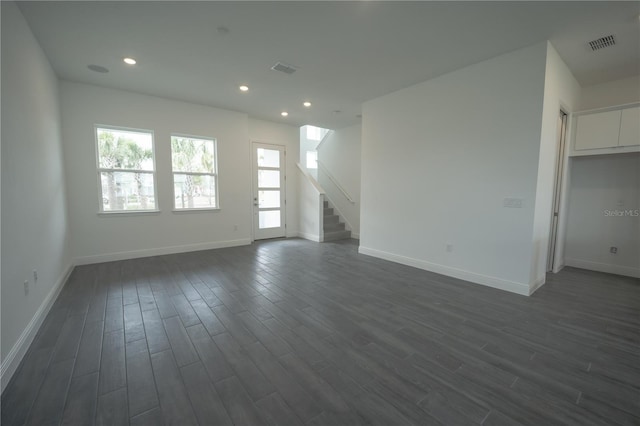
x=97 y=68
x=129 y=61
x=284 y=113
x=307 y=104
x=244 y=88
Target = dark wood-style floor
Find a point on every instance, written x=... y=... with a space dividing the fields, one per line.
x=291 y=332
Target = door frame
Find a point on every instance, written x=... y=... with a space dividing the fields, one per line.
x=558 y=188
x=254 y=183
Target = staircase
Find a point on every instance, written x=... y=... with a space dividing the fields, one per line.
x=333 y=229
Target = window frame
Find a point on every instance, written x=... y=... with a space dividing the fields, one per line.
x=100 y=170
x=215 y=174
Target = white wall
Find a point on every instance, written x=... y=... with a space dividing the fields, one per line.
x=561 y=91
x=438 y=158
x=617 y=92
x=282 y=134
x=103 y=237
x=34 y=211
x=340 y=154
x=599 y=183
x=310 y=211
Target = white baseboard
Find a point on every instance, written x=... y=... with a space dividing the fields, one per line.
x=11 y=363
x=603 y=267
x=559 y=267
x=134 y=254
x=537 y=285
x=310 y=237
x=499 y=283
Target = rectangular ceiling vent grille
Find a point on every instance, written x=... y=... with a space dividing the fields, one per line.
x=287 y=69
x=602 y=42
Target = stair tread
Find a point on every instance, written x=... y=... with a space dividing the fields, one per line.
x=337 y=235
x=331 y=219
x=330 y=227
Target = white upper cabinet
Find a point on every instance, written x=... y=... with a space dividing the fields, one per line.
x=630 y=127
x=615 y=130
x=598 y=130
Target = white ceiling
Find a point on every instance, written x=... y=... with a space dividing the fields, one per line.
x=347 y=52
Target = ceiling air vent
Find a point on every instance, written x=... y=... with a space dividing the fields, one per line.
x=602 y=42
x=287 y=69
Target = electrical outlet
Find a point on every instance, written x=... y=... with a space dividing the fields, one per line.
x=613 y=250
x=26 y=286
x=449 y=248
x=235 y=227
x=35 y=276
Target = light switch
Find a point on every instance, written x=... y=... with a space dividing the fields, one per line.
x=513 y=203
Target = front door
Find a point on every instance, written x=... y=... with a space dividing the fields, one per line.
x=268 y=191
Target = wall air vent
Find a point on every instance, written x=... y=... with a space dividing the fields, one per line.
x=602 y=42
x=287 y=69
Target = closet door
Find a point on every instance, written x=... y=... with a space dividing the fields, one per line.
x=598 y=130
x=630 y=127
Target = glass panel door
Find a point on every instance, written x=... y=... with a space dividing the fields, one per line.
x=268 y=191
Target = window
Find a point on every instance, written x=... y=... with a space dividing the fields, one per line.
x=315 y=133
x=195 y=181
x=312 y=159
x=126 y=170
